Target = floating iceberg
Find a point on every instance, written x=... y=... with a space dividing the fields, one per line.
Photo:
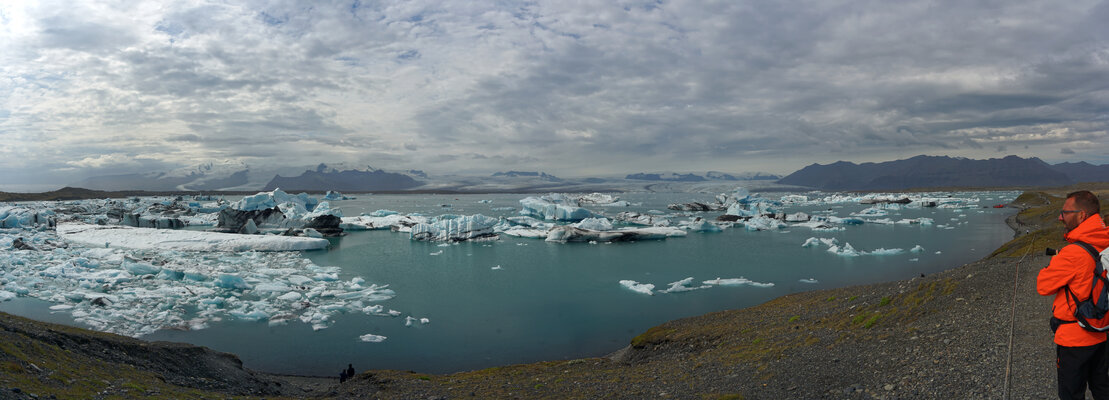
x=917 y=249
x=814 y=241
x=160 y=239
x=736 y=282
x=371 y=338
x=266 y=200
x=567 y=233
x=846 y=250
x=596 y=224
x=699 y=224
x=601 y=199
x=553 y=207
x=683 y=286
x=395 y=222
x=332 y=195
x=645 y=288
x=456 y=229
x=634 y=218
x=885 y=252
x=763 y=224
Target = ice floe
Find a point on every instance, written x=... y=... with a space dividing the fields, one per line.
x=371 y=338
x=161 y=239
x=683 y=286
x=736 y=282
x=644 y=288
x=139 y=291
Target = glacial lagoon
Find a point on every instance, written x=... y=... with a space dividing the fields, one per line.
x=469 y=305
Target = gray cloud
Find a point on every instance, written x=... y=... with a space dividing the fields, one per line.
x=552 y=86
x=1066 y=151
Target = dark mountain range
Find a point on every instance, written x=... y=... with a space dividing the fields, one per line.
x=929 y=171
x=691 y=177
x=326 y=178
x=1083 y=172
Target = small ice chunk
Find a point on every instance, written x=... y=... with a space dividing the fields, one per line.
x=409 y=320
x=371 y=338
x=424 y=321
x=736 y=282
x=291 y=296
x=231 y=282
x=496 y=268
x=645 y=288
x=885 y=252
x=682 y=286
x=436 y=253
x=846 y=250
x=808 y=280
x=917 y=249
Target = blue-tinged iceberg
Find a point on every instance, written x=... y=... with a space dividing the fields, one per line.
x=19 y=217
x=553 y=207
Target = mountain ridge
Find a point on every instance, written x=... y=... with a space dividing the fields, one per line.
x=940 y=171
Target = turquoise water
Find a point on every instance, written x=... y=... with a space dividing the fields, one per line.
x=550 y=301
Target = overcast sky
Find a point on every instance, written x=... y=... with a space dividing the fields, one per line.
x=569 y=88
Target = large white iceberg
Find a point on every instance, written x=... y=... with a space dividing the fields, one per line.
x=644 y=288
x=161 y=239
x=395 y=222
x=456 y=228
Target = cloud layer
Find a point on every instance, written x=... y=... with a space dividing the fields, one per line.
x=572 y=88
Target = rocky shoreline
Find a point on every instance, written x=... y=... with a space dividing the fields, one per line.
x=944 y=335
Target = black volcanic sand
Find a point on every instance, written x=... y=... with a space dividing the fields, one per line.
x=945 y=335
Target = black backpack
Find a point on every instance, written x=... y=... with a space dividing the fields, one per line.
x=1090 y=312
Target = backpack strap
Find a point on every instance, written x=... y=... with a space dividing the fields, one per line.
x=1103 y=296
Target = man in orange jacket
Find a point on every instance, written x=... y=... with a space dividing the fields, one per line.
x=1081 y=357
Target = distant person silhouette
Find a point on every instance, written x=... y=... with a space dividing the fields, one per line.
x=342 y=376
x=350 y=371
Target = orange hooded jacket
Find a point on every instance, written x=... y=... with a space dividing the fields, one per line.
x=1074 y=267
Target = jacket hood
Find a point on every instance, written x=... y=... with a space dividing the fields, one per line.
x=1091 y=231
